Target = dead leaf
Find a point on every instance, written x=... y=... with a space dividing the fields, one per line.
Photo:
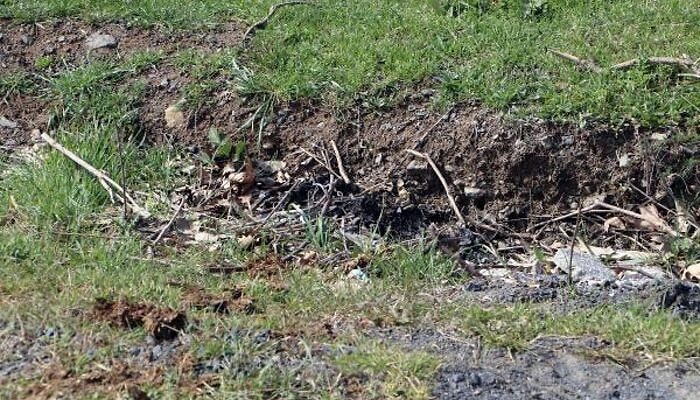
x=614 y=222
x=693 y=271
x=651 y=220
x=684 y=220
x=246 y=241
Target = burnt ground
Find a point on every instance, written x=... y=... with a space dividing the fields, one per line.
x=506 y=171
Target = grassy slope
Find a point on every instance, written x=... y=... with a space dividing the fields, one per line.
x=497 y=52
x=56 y=256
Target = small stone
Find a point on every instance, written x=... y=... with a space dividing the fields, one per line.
x=586 y=268
x=6 y=123
x=26 y=40
x=474 y=193
x=624 y=160
x=566 y=141
x=49 y=50
x=659 y=136
x=99 y=41
x=174 y=117
x=358 y=274
x=417 y=168
x=61 y=39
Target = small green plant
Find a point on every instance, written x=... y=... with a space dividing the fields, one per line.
x=318 y=233
x=43 y=62
x=224 y=149
x=534 y=9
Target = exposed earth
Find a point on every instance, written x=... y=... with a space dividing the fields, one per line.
x=511 y=174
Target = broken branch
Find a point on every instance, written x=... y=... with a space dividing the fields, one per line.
x=339 y=160
x=586 y=64
x=103 y=178
x=681 y=62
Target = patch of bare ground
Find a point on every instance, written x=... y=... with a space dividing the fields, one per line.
x=65 y=42
x=161 y=323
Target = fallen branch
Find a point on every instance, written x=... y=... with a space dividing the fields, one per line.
x=601 y=204
x=685 y=63
x=263 y=22
x=462 y=220
x=586 y=64
x=107 y=183
x=339 y=160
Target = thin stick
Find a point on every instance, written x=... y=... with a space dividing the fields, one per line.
x=581 y=63
x=462 y=220
x=263 y=22
x=282 y=202
x=339 y=160
x=565 y=216
x=430 y=129
x=320 y=162
x=103 y=178
x=170 y=223
x=451 y=199
x=633 y=215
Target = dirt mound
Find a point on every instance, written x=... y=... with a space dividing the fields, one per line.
x=501 y=170
x=161 y=323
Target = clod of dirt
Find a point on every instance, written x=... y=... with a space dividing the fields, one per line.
x=174 y=117
x=233 y=300
x=267 y=267
x=161 y=323
x=100 y=41
x=683 y=299
x=137 y=394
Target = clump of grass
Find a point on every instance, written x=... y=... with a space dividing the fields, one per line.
x=392 y=373
x=655 y=332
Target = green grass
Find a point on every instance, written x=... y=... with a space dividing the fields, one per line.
x=492 y=51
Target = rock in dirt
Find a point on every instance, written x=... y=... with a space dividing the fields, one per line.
x=100 y=41
x=6 y=123
x=27 y=40
x=174 y=117
x=586 y=268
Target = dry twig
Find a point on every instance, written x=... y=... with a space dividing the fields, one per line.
x=686 y=64
x=339 y=160
x=462 y=220
x=263 y=22
x=169 y=224
x=586 y=64
x=107 y=183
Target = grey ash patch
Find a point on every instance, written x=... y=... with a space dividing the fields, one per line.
x=556 y=292
x=552 y=368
